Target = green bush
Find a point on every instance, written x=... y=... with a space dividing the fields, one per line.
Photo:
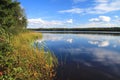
x=5 y=52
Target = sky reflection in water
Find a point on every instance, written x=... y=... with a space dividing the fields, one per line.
x=85 y=56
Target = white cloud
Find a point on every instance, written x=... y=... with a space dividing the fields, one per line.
x=99 y=7
x=73 y=10
x=105 y=18
x=44 y=22
x=40 y=23
x=101 y=19
x=94 y=19
x=70 y=21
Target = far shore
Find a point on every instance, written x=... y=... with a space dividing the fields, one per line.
x=112 y=30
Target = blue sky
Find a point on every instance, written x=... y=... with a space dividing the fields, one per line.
x=72 y=13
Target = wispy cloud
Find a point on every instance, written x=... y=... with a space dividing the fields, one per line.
x=73 y=10
x=100 y=7
x=106 y=6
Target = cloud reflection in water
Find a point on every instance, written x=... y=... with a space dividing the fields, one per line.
x=94 y=51
x=100 y=43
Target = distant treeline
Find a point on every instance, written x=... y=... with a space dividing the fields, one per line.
x=78 y=29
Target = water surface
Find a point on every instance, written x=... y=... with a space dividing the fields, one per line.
x=85 y=56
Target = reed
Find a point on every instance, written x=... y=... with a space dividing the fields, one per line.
x=27 y=62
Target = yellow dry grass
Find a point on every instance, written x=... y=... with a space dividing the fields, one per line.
x=30 y=63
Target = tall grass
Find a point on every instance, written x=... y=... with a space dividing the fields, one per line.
x=26 y=62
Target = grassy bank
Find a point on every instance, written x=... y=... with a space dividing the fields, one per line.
x=24 y=62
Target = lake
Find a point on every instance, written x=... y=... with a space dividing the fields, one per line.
x=84 y=56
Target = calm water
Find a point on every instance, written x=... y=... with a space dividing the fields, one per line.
x=85 y=56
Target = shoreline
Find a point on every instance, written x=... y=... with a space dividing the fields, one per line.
x=82 y=32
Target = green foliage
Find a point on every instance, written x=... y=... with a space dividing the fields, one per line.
x=12 y=16
x=5 y=52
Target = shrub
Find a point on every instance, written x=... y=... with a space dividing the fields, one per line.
x=5 y=51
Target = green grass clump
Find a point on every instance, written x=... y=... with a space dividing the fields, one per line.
x=24 y=62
